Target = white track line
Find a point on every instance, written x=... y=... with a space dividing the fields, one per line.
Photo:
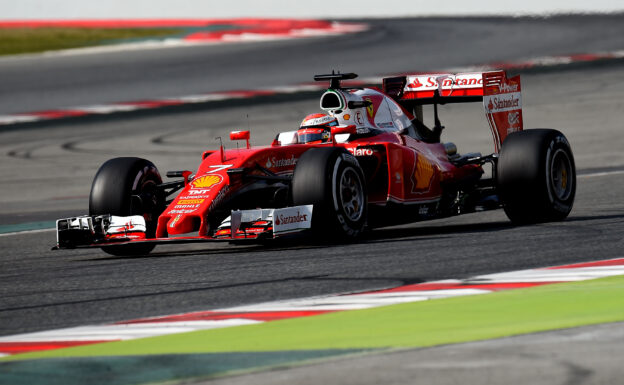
x=117 y=332
x=602 y=173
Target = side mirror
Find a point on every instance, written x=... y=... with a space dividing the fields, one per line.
x=338 y=130
x=240 y=135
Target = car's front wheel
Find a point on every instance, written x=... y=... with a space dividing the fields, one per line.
x=332 y=180
x=128 y=186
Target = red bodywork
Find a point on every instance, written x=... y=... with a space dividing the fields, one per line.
x=376 y=126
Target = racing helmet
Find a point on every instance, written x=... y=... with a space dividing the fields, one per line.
x=316 y=128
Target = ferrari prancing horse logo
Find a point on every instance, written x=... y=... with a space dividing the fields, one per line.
x=370 y=109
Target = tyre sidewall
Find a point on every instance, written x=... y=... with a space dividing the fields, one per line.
x=525 y=180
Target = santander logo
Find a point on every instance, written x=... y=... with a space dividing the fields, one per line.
x=285 y=220
x=284 y=162
x=415 y=84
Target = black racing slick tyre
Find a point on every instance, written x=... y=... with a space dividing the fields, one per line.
x=536 y=176
x=128 y=186
x=332 y=180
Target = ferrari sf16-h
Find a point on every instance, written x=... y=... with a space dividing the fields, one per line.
x=367 y=161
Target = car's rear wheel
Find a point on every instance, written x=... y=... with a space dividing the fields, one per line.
x=536 y=176
x=124 y=187
x=332 y=180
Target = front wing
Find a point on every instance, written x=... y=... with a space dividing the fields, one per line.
x=109 y=230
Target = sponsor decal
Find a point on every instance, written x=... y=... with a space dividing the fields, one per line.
x=274 y=162
x=370 y=109
x=346 y=116
x=292 y=219
x=385 y=125
x=186 y=206
x=194 y=196
x=206 y=181
x=361 y=151
x=317 y=121
x=190 y=201
x=431 y=82
x=175 y=220
x=284 y=220
x=197 y=192
x=511 y=87
x=513 y=118
x=423 y=174
x=503 y=102
x=253 y=230
x=415 y=84
x=358 y=118
x=181 y=211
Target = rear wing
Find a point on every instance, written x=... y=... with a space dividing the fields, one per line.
x=501 y=96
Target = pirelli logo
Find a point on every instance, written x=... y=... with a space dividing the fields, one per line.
x=190 y=201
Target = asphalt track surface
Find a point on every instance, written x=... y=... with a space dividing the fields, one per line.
x=47 y=170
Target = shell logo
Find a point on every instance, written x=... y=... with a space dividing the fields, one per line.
x=206 y=181
x=424 y=174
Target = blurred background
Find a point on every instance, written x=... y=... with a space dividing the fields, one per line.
x=62 y=9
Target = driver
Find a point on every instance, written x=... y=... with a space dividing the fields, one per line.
x=316 y=128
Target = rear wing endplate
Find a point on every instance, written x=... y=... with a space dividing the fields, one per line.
x=502 y=100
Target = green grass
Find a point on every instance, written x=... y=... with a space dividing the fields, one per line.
x=30 y=40
x=417 y=324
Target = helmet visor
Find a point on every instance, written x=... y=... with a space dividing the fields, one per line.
x=308 y=135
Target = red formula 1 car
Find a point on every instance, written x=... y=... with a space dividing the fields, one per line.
x=368 y=161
